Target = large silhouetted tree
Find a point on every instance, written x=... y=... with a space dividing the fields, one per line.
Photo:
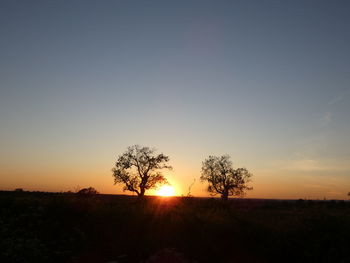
x=138 y=169
x=223 y=179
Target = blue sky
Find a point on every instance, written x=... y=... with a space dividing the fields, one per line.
x=264 y=81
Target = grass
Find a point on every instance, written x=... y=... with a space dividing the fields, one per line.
x=47 y=227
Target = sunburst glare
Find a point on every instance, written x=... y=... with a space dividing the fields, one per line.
x=166 y=190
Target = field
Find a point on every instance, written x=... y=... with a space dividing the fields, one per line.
x=47 y=227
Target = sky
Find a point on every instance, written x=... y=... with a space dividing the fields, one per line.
x=266 y=82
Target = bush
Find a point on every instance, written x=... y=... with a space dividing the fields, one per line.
x=88 y=191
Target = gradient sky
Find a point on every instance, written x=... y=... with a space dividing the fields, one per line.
x=267 y=82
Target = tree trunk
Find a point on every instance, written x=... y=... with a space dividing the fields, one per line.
x=224 y=196
x=142 y=192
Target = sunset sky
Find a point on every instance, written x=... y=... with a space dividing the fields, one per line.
x=267 y=82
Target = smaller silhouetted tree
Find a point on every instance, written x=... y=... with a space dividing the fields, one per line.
x=223 y=179
x=138 y=169
x=88 y=191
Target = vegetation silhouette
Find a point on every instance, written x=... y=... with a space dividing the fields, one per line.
x=190 y=187
x=92 y=227
x=63 y=227
x=138 y=169
x=223 y=179
x=88 y=191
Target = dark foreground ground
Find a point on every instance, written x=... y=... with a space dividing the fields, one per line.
x=42 y=227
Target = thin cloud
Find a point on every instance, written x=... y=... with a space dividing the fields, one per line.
x=339 y=98
x=306 y=165
x=313 y=165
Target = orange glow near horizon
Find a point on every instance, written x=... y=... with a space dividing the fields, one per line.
x=266 y=183
x=166 y=190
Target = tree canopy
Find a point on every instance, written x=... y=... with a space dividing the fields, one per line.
x=138 y=169
x=223 y=179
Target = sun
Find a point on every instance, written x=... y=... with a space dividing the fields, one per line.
x=166 y=190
